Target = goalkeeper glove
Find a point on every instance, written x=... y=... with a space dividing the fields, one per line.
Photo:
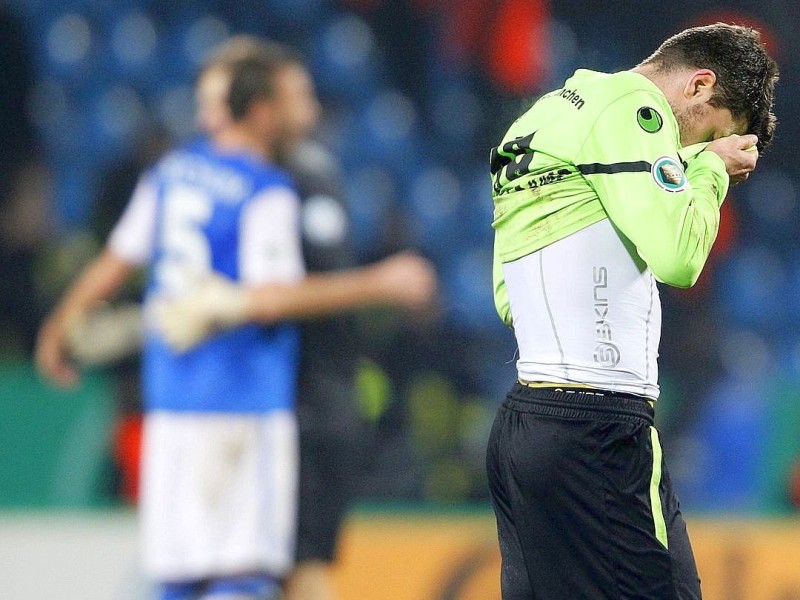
x=105 y=335
x=216 y=304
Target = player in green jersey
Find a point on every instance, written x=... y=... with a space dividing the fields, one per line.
x=602 y=188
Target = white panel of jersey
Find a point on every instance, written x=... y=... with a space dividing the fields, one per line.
x=586 y=310
x=269 y=250
x=133 y=237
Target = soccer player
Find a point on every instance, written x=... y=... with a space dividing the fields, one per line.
x=219 y=457
x=601 y=189
x=327 y=412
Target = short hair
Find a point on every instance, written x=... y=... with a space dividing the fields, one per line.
x=252 y=64
x=746 y=74
x=240 y=47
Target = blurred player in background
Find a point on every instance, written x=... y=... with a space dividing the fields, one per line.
x=602 y=188
x=217 y=223
x=328 y=416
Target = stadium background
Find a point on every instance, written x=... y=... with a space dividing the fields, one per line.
x=416 y=92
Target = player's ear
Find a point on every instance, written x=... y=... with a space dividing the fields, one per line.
x=700 y=86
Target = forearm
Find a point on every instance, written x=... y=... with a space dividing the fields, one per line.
x=100 y=281
x=710 y=186
x=218 y=303
x=672 y=228
x=679 y=258
x=317 y=295
x=682 y=266
x=676 y=250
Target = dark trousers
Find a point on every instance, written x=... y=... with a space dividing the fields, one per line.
x=584 y=505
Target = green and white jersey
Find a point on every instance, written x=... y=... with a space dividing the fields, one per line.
x=593 y=202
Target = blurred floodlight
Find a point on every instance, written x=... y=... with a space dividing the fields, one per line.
x=69 y=39
x=349 y=42
x=745 y=354
x=204 y=34
x=391 y=116
x=134 y=39
x=120 y=111
x=176 y=111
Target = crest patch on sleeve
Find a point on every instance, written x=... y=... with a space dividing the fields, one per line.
x=668 y=174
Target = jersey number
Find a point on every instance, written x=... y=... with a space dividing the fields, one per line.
x=186 y=253
x=510 y=161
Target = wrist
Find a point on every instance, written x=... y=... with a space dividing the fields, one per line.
x=379 y=287
x=243 y=307
x=231 y=303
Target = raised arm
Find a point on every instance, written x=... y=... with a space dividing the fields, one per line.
x=668 y=210
x=402 y=280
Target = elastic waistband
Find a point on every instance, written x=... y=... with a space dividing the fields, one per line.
x=579 y=403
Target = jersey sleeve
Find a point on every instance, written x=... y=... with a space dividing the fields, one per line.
x=270 y=248
x=667 y=208
x=133 y=237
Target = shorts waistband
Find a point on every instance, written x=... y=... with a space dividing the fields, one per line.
x=579 y=403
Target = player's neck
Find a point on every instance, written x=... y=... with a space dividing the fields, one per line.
x=656 y=76
x=670 y=82
x=240 y=139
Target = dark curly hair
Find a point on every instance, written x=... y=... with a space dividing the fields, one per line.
x=746 y=74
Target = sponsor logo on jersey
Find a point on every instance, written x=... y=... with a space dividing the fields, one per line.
x=668 y=174
x=649 y=119
x=606 y=352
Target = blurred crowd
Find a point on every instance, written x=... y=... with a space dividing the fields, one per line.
x=415 y=93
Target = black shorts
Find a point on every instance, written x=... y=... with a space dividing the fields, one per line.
x=584 y=505
x=329 y=468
